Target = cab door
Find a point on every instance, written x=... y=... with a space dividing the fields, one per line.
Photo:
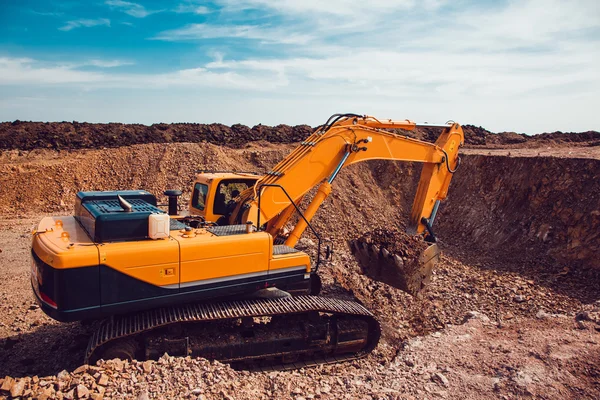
x=199 y=199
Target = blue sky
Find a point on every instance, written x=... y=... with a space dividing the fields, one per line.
x=527 y=66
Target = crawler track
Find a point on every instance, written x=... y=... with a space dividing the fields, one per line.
x=301 y=331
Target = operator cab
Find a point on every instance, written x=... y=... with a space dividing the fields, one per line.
x=213 y=194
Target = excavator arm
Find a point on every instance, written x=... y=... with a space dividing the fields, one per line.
x=344 y=140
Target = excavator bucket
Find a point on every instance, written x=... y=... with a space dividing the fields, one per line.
x=396 y=259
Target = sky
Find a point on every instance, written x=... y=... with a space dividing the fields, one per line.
x=526 y=66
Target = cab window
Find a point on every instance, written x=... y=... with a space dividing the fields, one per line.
x=229 y=190
x=199 y=196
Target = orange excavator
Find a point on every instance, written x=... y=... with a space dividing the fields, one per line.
x=225 y=281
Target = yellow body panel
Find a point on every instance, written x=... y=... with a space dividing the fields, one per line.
x=152 y=261
x=206 y=256
x=62 y=243
x=181 y=258
x=281 y=262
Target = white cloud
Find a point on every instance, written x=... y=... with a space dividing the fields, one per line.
x=48 y=13
x=107 y=63
x=192 y=8
x=401 y=74
x=84 y=23
x=134 y=9
x=26 y=71
x=330 y=7
x=265 y=34
x=503 y=52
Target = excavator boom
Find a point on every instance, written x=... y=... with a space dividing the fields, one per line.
x=347 y=140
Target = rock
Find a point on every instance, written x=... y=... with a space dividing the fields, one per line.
x=297 y=390
x=7 y=384
x=496 y=384
x=224 y=395
x=197 y=391
x=541 y=314
x=441 y=378
x=46 y=394
x=103 y=380
x=476 y=315
x=519 y=298
x=82 y=392
x=143 y=396
x=118 y=364
x=147 y=366
x=62 y=375
x=584 y=316
x=70 y=395
x=81 y=369
x=523 y=379
x=17 y=388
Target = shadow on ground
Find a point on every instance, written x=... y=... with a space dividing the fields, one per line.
x=45 y=351
x=574 y=281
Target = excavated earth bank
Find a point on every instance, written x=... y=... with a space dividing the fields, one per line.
x=512 y=309
x=82 y=135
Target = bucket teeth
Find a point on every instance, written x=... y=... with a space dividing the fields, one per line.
x=399 y=261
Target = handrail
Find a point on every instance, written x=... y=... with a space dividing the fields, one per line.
x=260 y=190
x=215 y=171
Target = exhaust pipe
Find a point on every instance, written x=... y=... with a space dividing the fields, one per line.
x=172 y=194
x=125 y=205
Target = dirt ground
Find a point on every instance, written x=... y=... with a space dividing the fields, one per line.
x=462 y=339
x=506 y=315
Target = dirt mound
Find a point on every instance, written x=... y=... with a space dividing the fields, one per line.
x=82 y=135
x=78 y=135
x=474 y=135
x=396 y=242
x=477 y=137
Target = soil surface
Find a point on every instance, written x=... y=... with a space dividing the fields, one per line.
x=82 y=135
x=396 y=242
x=511 y=310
